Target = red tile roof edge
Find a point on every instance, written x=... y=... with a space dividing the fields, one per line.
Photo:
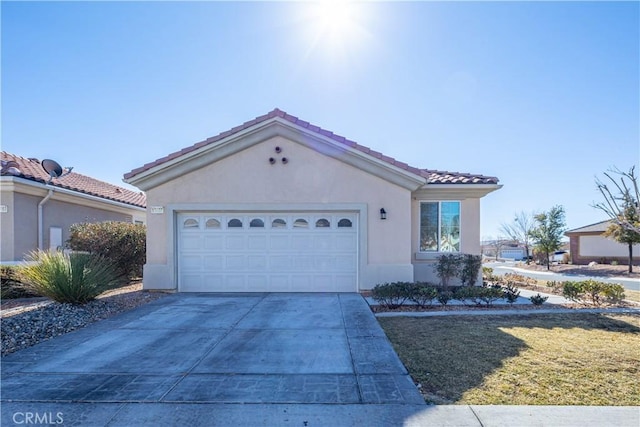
x=31 y=170
x=316 y=129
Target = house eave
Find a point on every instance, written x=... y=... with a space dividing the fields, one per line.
x=454 y=191
x=275 y=127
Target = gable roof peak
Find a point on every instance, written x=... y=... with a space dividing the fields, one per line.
x=434 y=177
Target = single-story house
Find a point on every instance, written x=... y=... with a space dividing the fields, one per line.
x=278 y=204
x=36 y=213
x=589 y=244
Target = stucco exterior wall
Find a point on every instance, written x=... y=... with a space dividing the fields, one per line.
x=599 y=246
x=309 y=177
x=6 y=227
x=20 y=222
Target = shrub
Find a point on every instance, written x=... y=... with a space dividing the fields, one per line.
x=488 y=295
x=487 y=271
x=572 y=290
x=510 y=293
x=566 y=258
x=423 y=294
x=392 y=295
x=614 y=293
x=614 y=262
x=471 y=265
x=74 y=278
x=556 y=287
x=465 y=295
x=10 y=285
x=448 y=267
x=444 y=297
x=478 y=295
x=593 y=292
x=121 y=242
x=538 y=300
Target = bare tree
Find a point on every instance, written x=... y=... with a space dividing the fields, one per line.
x=519 y=230
x=618 y=194
x=495 y=245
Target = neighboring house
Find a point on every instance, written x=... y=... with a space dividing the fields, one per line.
x=513 y=251
x=278 y=204
x=589 y=244
x=506 y=249
x=37 y=214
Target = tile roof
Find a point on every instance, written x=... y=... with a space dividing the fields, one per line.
x=30 y=168
x=599 y=227
x=434 y=177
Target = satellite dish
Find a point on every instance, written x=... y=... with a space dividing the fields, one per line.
x=54 y=169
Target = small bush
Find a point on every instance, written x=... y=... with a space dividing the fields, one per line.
x=10 y=285
x=122 y=243
x=510 y=293
x=447 y=268
x=538 y=300
x=614 y=293
x=74 y=278
x=423 y=294
x=392 y=295
x=572 y=290
x=487 y=271
x=478 y=295
x=593 y=292
x=444 y=297
x=471 y=265
x=556 y=287
x=614 y=262
x=566 y=258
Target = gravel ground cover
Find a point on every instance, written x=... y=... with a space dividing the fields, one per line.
x=29 y=321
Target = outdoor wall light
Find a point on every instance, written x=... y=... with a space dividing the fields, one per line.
x=383 y=214
x=272 y=160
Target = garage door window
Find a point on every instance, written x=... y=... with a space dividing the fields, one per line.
x=344 y=222
x=323 y=223
x=256 y=223
x=190 y=223
x=300 y=223
x=279 y=223
x=212 y=223
x=234 y=223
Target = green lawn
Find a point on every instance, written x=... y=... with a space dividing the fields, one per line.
x=556 y=359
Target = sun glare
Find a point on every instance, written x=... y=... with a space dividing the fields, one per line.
x=336 y=23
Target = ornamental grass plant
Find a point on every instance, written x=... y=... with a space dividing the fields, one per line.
x=74 y=278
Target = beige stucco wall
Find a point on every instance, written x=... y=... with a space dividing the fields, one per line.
x=6 y=227
x=598 y=246
x=309 y=177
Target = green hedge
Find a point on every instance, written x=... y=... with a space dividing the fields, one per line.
x=123 y=243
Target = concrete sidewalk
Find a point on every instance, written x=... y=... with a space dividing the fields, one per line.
x=309 y=415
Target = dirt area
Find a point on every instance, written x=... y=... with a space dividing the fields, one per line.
x=598 y=270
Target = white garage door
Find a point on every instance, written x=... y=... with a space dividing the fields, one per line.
x=275 y=252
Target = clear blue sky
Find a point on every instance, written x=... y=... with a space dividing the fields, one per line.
x=543 y=95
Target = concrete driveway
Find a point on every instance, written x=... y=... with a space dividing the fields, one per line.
x=210 y=349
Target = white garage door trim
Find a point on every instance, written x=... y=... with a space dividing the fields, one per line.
x=259 y=250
